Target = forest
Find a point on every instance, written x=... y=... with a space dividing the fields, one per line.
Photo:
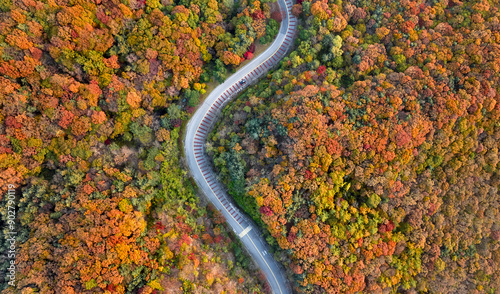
x=370 y=154
x=94 y=95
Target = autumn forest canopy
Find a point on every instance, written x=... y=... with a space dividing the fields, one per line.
x=93 y=96
x=368 y=156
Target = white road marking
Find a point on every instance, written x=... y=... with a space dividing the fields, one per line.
x=244 y=232
x=268 y=266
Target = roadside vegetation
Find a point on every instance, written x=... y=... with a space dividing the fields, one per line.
x=92 y=98
x=370 y=155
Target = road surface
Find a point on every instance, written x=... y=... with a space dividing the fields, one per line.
x=198 y=162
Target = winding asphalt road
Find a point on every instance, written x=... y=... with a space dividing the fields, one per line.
x=196 y=136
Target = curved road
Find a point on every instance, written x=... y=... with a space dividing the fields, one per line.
x=196 y=135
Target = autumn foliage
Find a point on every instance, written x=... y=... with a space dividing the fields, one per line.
x=371 y=155
x=92 y=98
